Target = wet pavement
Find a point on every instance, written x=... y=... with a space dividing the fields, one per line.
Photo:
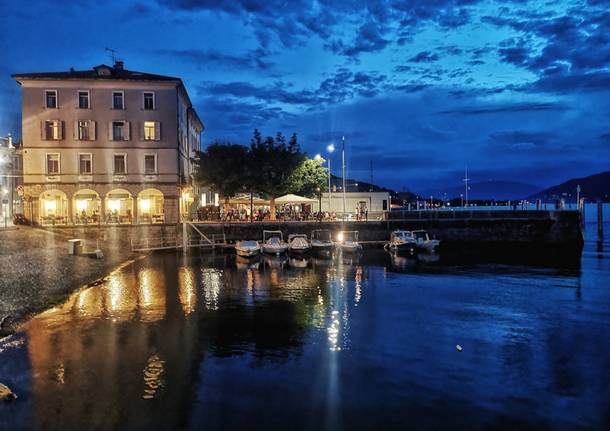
x=36 y=270
x=218 y=342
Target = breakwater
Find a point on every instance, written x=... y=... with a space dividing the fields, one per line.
x=552 y=228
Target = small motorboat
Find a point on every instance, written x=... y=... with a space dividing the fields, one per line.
x=273 y=242
x=321 y=241
x=247 y=248
x=348 y=241
x=424 y=243
x=401 y=241
x=297 y=243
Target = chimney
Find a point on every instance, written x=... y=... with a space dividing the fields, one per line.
x=10 y=141
x=118 y=65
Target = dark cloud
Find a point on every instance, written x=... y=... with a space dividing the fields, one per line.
x=341 y=86
x=506 y=108
x=523 y=140
x=368 y=39
x=202 y=59
x=424 y=57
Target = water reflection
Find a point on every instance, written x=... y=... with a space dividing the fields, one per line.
x=213 y=341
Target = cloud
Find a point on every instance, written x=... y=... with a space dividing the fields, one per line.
x=368 y=39
x=254 y=59
x=522 y=140
x=506 y=108
x=341 y=86
x=424 y=57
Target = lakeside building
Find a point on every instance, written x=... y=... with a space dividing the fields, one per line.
x=375 y=203
x=107 y=145
x=10 y=178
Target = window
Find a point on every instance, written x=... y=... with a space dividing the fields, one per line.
x=149 y=100
x=85 y=164
x=120 y=164
x=84 y=130
x=118 y=131
x=151 y=131
x=50 y=98
x=53 y=164
x=83 y=100
x=51 y=130
x=118 y=101
x=150 y=164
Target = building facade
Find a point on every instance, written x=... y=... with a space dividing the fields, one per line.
x=107 y=146
x=10 y=178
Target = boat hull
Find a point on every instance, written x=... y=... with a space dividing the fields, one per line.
x=247 y=252
x=350 y=248
x=275 y=250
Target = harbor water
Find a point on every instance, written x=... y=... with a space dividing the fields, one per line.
x=371 y=342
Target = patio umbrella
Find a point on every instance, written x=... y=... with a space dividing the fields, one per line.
x=294 y=199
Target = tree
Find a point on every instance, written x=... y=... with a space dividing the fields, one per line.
x=223 y=167
x=274 y=163
x=309 y=179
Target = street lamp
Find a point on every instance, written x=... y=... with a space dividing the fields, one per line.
x=330 y=149
x=320 y=203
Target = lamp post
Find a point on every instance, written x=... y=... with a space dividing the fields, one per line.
x=320 y=203
x=343 y=171
x=330 y=148
x=5 y=207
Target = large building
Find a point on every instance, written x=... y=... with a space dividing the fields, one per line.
x=10 y=178
x=107 y=146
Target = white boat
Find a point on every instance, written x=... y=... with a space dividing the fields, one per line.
x=348 y=241
x=424 y=243
x=247 y=248
x=401 y=241
x=273 y=242
x=297 y=243
x=321 y=240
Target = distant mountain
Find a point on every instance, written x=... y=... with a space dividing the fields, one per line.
x=593 y=187
x=498 y=190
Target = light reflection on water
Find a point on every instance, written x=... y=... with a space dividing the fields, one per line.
x=215 y=341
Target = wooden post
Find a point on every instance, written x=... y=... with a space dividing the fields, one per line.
x=600 y=218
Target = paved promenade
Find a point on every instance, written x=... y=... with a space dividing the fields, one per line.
x=36 y=271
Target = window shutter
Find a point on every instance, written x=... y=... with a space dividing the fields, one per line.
x=157 y=131
x=127 y=131
x=75 y=130
x=110 y=131
x=43 y=132
x=140 y=130
x=61 y=129
x=92 y=131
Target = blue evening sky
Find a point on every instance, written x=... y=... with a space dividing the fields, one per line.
x=517 y=90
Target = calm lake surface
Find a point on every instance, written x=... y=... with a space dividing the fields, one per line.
x=213 y=342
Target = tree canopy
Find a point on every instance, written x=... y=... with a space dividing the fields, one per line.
x=308 y=179
x=272 y=166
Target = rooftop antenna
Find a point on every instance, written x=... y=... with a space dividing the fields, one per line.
x=112 y=54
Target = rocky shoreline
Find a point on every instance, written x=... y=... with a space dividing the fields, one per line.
x=37 y=272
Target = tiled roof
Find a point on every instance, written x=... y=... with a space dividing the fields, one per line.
x=98 y=72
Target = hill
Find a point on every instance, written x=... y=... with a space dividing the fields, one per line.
x=593 y=187
x=486 y=190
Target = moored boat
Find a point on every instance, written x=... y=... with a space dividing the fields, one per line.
x=247 y=248
x=297 y=243
x=424 y=243
x=273 y=242
x=401 y=241
x=348 y=241
x=321 y=241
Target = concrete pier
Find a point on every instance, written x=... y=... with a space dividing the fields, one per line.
x=553 y=228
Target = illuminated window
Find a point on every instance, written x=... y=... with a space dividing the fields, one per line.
x=151 y=130
x=150 y=164
x=52 y=130
x=118 y=101
x=120 y=164
x=52 y=164
x=85 y=165
x=83 y=100
x=149 y=101
x=51 y=98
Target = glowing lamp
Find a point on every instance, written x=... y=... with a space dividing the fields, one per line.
x=81 y=205
x=145 y=205
x=114 y=204
x=340 y=237
x=50 y=205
